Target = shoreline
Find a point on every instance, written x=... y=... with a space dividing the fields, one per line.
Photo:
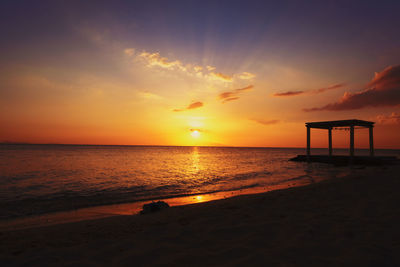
x=351 y=220
x=133 y=208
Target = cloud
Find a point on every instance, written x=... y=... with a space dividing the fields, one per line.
x=149 y=95
x=207 y=72
x=289 y=93
x=198 y=68
x=234 y=94
x=210 y=68
x=194 y=105
x=225 y=95
x=220 y=76
x=129 y=51
x=246 y=76
x=230 y=99
x=247 y=88
x=393 y=118
x=314 y=92
x=265 y=122
x=154 y=59
x=321 y=90
x=383 y=90
x=389 y=78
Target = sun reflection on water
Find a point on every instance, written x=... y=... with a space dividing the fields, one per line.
x=199 y=198
x=195 y=160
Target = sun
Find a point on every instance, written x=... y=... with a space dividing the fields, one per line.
x=195 y=133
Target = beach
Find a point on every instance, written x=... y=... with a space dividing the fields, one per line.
x=352 y=220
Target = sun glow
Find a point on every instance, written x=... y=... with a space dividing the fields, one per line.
x=195 y=133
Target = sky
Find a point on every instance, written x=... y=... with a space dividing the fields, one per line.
x=215 y=73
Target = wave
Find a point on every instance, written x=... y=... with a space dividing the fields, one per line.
x=72 y=200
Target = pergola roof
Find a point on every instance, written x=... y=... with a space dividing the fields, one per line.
x=342 y=123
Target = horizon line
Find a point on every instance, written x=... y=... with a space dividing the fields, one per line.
x=223 y=146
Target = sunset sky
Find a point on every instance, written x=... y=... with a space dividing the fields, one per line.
x=224 y=73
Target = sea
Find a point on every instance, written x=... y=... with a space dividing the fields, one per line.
x=41 y=179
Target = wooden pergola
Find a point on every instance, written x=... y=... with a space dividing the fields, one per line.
x=329 y=125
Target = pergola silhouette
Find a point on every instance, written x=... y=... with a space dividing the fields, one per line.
x=351 y=124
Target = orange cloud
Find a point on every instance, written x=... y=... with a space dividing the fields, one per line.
x=383 y=90
x=148 y=95
x=321 y=90
x=393 y=118
x=196 y=129
x=265 y=122
x=220 y=76
x=247 y=88
x=233 y=95
x=194 y=105
x=230 y=99
x=246 y=76
x=225 y=95
x=316 y=91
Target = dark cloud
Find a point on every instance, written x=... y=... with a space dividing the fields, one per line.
x=234 y=94
x=289 y=93
x=321 y=90
x=383 y=90
x=194 y=105
x=316 y=91
x=265 y=122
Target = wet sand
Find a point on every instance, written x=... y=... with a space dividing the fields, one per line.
x=352 y=220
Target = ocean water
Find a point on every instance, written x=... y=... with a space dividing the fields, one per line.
x=39 y=179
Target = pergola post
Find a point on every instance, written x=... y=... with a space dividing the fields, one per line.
x=351 y=141
x=371 y=141
x=330 y=126
x=330 y=140
x=308 y=142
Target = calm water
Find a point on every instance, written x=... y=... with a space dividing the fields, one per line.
x=37 y=179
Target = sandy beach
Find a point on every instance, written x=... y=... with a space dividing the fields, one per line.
x=351 y=221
